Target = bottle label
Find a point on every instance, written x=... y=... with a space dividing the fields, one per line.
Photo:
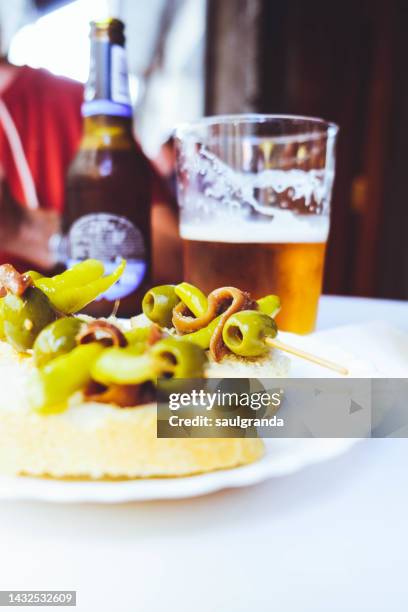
x=119 y=76
x=109 y=238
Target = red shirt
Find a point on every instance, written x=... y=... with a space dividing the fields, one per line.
x=46 y=111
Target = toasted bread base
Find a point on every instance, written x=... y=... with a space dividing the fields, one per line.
x=121 y=445
x=100 y=441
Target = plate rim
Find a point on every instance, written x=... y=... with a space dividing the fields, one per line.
x=14 y=488
x=28 y=488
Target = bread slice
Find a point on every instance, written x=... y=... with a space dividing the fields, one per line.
x=100 y=441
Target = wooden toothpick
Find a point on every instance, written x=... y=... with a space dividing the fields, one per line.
x=325 y=363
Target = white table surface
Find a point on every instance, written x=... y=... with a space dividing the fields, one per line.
x=333 y=537
x=338 y=310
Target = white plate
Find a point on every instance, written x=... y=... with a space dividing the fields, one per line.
x=282 y=457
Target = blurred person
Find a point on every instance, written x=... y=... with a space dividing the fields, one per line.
x=40 y=131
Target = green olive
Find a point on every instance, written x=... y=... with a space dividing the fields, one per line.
x=24 y=317
x=56 y=339
x=179 y=358
x=158 y=304
x=244 y=333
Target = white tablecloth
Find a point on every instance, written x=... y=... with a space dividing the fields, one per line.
x=336 y=310
x=333 y=537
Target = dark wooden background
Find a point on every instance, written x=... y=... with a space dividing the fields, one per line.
x=346 y=61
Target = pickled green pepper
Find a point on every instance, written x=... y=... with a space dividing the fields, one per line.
x=74 y=289
x=50 y=387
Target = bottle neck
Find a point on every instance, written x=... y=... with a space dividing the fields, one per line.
x=107 y=89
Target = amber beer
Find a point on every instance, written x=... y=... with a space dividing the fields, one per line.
x=108 y=190
x=293 y=270
x=254 y=194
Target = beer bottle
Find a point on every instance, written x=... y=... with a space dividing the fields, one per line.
x=108 y=190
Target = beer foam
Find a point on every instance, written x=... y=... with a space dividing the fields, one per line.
x=217 y=182
x=289 y=229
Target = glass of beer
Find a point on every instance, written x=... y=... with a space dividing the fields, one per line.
x=254 y=194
